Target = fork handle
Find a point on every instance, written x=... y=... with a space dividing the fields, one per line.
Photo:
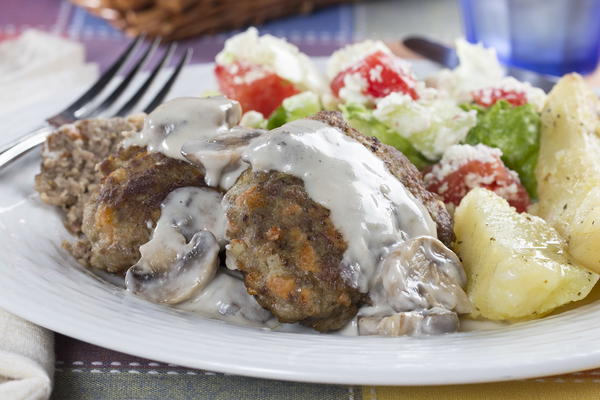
x=24 y=144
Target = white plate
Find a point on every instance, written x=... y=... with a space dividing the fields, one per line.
x=41 y=283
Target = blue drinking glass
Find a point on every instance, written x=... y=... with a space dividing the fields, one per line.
x=548 y=36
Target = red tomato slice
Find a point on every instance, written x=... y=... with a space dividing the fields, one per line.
x=492 y=175
x=489 y=96
x=383 y=74
x=253 y=86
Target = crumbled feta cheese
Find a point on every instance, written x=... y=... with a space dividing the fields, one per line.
x=431 y=123
x=329 y=101
x=479 y=69
x=353 y=89
x=375 y=74
x=351 y=54
x=248 y=76
x=300 y=101
x=508 y=192
x=473 y=180
x=252 y=119
x=535 y=96
x=403 y=113
x=460 y=154
x=276 y=55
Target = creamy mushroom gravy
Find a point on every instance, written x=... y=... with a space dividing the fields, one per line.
x=182 y=255
x=415 y=282
x=369 y=206
x=417 y=290
x=181 y=120
x=179 y=265
x=221 y=156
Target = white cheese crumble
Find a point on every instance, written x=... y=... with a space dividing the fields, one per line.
x=479 y=69
x=353 y=89
x=432 y=123
x=252 y=119
x=274 y=54
x=375 y=74
x=351 y=54
x=535 y=96
x=355 y=83
x=248 y=76
x=458 y=155
x=300 y=101
x=329 y=101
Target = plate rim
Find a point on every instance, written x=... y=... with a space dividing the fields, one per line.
x=484 y=375
x=470 y=373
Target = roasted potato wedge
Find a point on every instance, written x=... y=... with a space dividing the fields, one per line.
x=568 y=168
x=516 y=264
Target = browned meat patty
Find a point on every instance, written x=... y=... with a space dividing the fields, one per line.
x=286 y=246
x=119 y=217
x=401 y=168
x=69 y=157
x=289 y=251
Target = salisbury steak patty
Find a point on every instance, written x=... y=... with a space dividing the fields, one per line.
x=289 y=251
x=287 y=247
x=68 y=173
x=119 y=217
x=401 y=168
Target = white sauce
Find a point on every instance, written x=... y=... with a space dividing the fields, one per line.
x=189 y=210
x=433 y=321
x=225 y=298
x=221 y=156
x=181 y=120
x=368 y=205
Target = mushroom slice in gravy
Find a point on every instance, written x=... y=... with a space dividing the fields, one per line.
x=418 y=289
x=221 y=156
x=190 y=268
x=184 y=119
x=182 y=255
x=413 y=323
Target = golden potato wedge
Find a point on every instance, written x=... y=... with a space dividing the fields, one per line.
x=516 y=264
x=568 y=168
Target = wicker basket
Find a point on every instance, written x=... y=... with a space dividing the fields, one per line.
x=178 y=19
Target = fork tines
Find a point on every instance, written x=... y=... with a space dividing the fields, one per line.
x=91 y=104
x=88 y=106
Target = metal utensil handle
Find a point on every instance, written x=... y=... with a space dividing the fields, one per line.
x=24 y=144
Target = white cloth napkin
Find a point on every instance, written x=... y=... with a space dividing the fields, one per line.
x=40 y=74
x=26 y=359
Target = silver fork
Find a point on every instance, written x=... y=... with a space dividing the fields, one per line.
x=85 y=107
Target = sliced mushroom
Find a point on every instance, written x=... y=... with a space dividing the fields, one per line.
x=191 y=209
x=419 y=274
x=221 y=156
x=182 y=256
x=418 y=289
x=193 y=267
x=428 y=322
